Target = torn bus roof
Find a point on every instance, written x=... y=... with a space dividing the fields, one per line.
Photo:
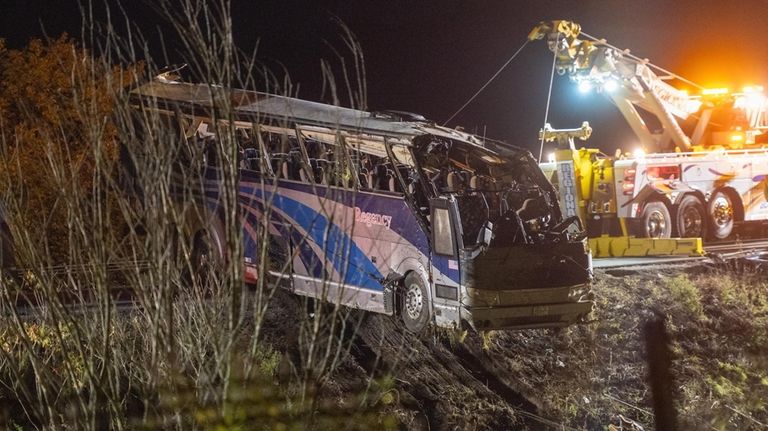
x=256 y=104
x=250 y=104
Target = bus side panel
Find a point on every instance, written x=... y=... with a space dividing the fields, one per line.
x=348 y=242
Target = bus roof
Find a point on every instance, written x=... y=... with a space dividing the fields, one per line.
x=252 y=105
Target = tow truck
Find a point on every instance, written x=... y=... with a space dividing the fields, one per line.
x=680 y=187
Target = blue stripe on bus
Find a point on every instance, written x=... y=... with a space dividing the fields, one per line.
x=338 y=246
x=404 y=222
x=312 y=262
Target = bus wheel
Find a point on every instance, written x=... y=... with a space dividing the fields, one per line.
x=414 y=305
x=655 y=222
x=721 y=215
x=691 y=218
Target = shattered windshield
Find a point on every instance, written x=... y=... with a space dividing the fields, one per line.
x=505 y=189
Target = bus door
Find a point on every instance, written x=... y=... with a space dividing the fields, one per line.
x=445 y=256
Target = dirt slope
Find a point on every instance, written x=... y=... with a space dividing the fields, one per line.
x=589 y=376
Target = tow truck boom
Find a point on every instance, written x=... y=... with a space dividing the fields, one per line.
x=628 y=81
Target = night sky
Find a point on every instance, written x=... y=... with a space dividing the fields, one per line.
x=431 y=56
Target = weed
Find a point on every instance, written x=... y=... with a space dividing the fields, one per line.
x=487 y=339
x=685 y=293
x=267 y=360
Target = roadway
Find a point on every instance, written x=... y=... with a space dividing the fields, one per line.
x=724 y=250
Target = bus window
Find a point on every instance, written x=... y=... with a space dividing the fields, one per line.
x=283 y=154
x=442 y=233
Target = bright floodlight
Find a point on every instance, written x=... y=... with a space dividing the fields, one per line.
x=639 y=153
x=551 y=157
x=585 y=87
x=751 y=101
x=610 y=85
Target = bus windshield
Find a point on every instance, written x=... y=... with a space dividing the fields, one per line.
x=506 y=189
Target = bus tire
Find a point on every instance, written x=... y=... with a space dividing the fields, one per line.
x=655 y=221
x=721 y=215
x=414 y=304
x=691 y=218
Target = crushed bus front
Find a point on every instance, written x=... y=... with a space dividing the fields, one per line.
x=526 y=286
x=517 y=262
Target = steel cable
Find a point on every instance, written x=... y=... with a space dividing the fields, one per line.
x=549 y=99
x=487 y=83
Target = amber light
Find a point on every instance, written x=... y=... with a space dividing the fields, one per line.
x=714 y=91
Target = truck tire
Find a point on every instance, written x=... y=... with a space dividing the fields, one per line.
x=691 y=218
x=655 y=221
x=721 y=215
x=414 y=304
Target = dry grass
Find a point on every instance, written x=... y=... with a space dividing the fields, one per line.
x=593 y=375
x=208 y=353
x=194 y=353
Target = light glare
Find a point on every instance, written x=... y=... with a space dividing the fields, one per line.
x=714 y=91
x=585 y=87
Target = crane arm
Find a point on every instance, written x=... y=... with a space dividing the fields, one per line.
x=627 y=80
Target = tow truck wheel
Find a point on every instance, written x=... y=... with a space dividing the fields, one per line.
x=691 y=218
x=655 y=222
x=414 y=304
x=721 y=215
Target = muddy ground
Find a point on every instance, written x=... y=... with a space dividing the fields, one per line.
x=588 y=376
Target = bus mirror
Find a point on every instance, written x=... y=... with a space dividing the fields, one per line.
x=487 y=234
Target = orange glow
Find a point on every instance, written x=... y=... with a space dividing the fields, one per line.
x=737 y=137
x=751 y=101
x=753 y=89
x=714 y=91
x=692 y=105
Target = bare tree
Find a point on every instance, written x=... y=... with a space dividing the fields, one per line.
x=144 y=222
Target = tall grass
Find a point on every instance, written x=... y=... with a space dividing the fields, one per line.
x=190 y=353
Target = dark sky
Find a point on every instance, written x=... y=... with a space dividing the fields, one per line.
x=431 y=56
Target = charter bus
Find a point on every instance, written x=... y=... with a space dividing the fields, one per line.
x=390 y=213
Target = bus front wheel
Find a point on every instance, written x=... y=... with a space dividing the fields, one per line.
x=414 y=304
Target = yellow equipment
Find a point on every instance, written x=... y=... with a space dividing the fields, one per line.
x=585 y=183
x=701 y=181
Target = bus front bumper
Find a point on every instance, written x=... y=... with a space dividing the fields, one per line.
x=526 y=316
x=522 y=309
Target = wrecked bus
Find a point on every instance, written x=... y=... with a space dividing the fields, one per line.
x=390 y=213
